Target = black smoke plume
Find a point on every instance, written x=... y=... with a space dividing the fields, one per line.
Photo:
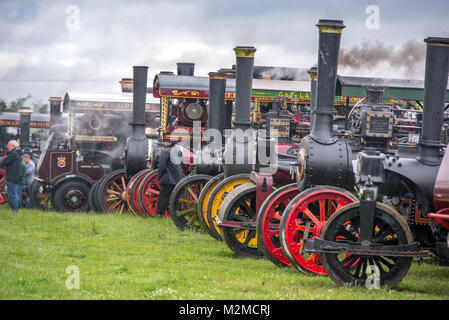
x=369 y=54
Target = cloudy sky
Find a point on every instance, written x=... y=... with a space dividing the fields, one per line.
x=50 y=47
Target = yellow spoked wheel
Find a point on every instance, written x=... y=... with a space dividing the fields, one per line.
x=203 y=200
x=238 y=214
x=216 y=198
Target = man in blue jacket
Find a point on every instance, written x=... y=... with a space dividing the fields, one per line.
x=168 y=175
x=13 y=163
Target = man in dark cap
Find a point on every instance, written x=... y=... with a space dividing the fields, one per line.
x=13 y=163
x=168 y=175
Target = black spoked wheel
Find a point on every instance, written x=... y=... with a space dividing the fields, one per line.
x=92 y=203
x=240 y=206
x=40 y=197
x=364 y=270
x=72 y=196
x=184 y=201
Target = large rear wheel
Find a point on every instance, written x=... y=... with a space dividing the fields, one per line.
x=216 y=198
x=364 y=270
x=40 y=197
x=269 y=220
x=184 y=201
x=238 y=215
x=304 y=218
x=204 y=199
x=148 y=193
x=111 y=192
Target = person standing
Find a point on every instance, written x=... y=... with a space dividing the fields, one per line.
x=29 y=177
x=13 y=163
x=168 y=175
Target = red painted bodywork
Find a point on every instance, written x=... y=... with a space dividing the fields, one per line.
x=56 y=164
x=441 y=189
x=441 y=194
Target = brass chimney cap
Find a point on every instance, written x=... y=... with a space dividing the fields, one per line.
x=330 y=26
x=313 y=73
x=25 y=110
x=437 y=41
x=244 y=51
x=217 y=75
x=55 y=100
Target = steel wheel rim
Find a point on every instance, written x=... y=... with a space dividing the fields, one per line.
x=203 y=201
x=132 y=194
x=216 y=198
x=114 y=193
x=184 y=212
x=269 y=220
x=350 y=269
x=148 y=193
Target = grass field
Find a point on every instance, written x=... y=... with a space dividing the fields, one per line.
x=125 y=257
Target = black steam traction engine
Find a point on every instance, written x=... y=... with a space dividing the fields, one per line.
x=401 y=193
x=31 y=142
x=189 y=200
x=89 y=146
x=184 y=116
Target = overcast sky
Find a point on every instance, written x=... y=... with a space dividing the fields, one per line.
x=50 y=47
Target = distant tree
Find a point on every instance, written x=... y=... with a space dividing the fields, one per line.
x=41 y=107
x=18 y=103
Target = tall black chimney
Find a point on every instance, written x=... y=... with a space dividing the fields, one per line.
x=25 y=118
x=243 y=86
x=217 y=108
x=328 y=51
x=435 y=86
x=313 y=76
x=137 y=146
x=126 y=84
x=238 y=154
x=55 y=110
x=186 y=69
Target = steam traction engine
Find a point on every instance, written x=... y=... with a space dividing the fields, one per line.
x=183 y=118
x=237 y=156
x=369 y=237
x=90 y=146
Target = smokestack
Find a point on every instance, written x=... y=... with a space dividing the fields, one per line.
x=243 y=86
x=217 y=108
x=136 y=145
x=25 y=118
x=313 y=76
x=435 y=86
x=55 y=110
x=374 y=94
x=328 y=50
x=127 y=84
x=186 y=69
x=230 y=73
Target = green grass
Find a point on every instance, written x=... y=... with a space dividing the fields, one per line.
x=125 y=257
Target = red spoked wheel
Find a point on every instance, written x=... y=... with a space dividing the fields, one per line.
x=2 y=179
x=148 y=193
x=111 y=192
x=268 y=221
x=132 y=193
x=308 y=213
